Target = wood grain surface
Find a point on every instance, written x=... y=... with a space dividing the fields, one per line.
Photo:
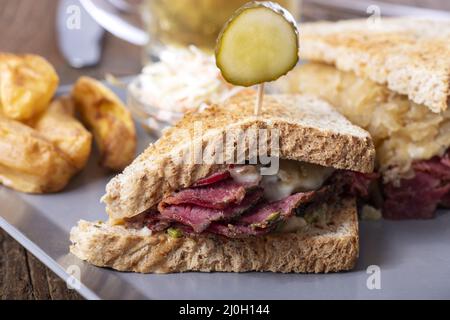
x=312 y=11
x=28 y=26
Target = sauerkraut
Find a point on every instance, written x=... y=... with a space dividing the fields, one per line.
x=402 y=130
x=184 y=80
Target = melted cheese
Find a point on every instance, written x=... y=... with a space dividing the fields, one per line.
x=246 y=174
x=292 y=177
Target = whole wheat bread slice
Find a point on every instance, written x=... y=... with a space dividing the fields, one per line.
x=328 y=248
x=410 y=56
x=309 y=129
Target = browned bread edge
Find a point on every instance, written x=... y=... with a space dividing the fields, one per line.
x=313 y=251
x=411 y=56
x=310 y=130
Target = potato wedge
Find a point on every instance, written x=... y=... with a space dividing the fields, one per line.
x=103 y=112
x=27 y=84
x=29 y=162
x=59 y=125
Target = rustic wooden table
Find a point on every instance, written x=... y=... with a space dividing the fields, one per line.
x=29 y=27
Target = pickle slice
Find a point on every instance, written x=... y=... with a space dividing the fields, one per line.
x=258 y=44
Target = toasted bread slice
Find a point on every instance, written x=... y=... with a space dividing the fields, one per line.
x=410 y=56
x=402 y=131
x=329 y=248
x=309 y=130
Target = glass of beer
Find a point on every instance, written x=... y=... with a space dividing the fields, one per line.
x=170 y=23
x=191 y=22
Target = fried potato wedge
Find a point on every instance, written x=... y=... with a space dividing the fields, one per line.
x=103 y=112
x=59 y=125
x=27 y=84
x=30 y=163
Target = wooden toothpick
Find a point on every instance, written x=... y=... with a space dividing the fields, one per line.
x=259 y=99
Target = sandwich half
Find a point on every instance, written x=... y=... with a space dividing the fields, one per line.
x=294 y=213
x=391 y=78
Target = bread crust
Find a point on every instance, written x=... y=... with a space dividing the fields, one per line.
x=310 y=130
x=315 y=250
x=410 y=56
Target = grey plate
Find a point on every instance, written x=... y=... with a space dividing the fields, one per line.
x=413 y=256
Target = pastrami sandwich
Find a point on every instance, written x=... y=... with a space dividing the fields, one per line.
x=392 y=78
x=287 y=206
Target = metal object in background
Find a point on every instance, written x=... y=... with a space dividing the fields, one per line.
x=105 y=12
x=347 y=9
x=79 y=35
x=123 y=5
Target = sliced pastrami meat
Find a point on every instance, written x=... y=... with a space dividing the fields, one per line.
x=199 y=218
x=438 y=167
x=415 y=198
x=215 y=196
x=156 y=222
x=263 y=217
x=216 y=177
x=352 y=183
x=418 y=197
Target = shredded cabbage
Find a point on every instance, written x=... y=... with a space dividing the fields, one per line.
x=184 y=80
